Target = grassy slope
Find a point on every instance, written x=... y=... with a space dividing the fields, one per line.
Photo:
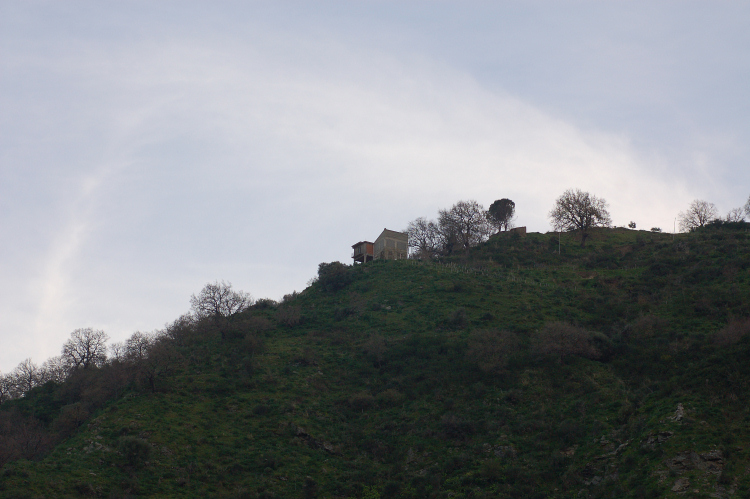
x=374 y=388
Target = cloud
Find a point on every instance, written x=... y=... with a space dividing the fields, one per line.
x=182 y=161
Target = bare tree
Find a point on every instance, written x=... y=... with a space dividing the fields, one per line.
x=501 y=214
x=466 y=222
x=137 y=346
x=117 y=351
x=581 y=211
x=698 y=214
x=8 y=390
x=219 y=300
x=54 y=369
x=736 y=215
x=424 y=238
x=747 y=207
x=158 y=363
x=85 y=348
x=26 y=376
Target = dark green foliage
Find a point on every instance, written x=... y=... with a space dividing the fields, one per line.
x=134 y=450
x=500 y=213
x=426 y=379
x=333 y=276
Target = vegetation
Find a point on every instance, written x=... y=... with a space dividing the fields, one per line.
x=463 y=226
x=501 y=213
x=618 y=369
x=698 y=214
x=581 y=211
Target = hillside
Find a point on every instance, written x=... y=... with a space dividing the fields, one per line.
x=618 y=369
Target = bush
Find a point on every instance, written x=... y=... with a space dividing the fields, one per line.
x=252 y=344
x=644 y=326
x=361 y=401
x=559 y=339
x=390 y=397
x=136 y=451
x=491 y=349
x=458 y=318
x=375 y=349
x=570 y=431
x=289 y=315
x=265 y=304
x=733 y=332
x=333 y=276
x=454 y=426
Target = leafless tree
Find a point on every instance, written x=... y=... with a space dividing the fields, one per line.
x=698 y=214
x=424 y=238
x=55 y=369
x=117 y=351
x=159 y=363
x=581 y=211
x=138 y=345
x=218 y=299
x=501 y=214
x=736 y=215
x=8 y=390
x=466 y=222
x=21 y=437
x=86 y=348
x=26 y=376
x=747 y=207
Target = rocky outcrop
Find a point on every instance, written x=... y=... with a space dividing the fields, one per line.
x=711 y=462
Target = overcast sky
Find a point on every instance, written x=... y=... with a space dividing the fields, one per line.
x=147 y=148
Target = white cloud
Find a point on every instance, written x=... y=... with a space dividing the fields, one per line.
x=188 y=161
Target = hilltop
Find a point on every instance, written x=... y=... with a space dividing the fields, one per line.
x=618 y=369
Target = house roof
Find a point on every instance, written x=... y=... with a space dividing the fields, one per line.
x=361 y=242
x=394 y=235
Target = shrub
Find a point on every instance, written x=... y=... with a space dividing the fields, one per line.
x=136 y=451
x=375 y=349
x=454 y=426
x=570 y=431
x=491 y=349
x=289 y=315
x=333 y=276
x=252 y=344
x=265 y=304
x=361 y=401
x=733 y=332
x=644 y=326
x=559 y=339
x=492 y=470
x=390 y=397
x=307 y=357
x=458 y=318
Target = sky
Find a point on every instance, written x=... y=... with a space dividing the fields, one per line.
x=148 y=148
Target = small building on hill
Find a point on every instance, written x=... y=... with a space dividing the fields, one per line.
x=363 y=252
x=390 y=245
x=518 y=230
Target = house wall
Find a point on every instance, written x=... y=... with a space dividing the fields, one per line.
x=391 y=245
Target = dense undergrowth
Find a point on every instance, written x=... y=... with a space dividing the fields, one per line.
x=619 y=369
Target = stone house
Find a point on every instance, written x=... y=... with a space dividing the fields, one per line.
x=390 y=245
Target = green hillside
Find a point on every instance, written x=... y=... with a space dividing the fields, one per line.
x=618 y=369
